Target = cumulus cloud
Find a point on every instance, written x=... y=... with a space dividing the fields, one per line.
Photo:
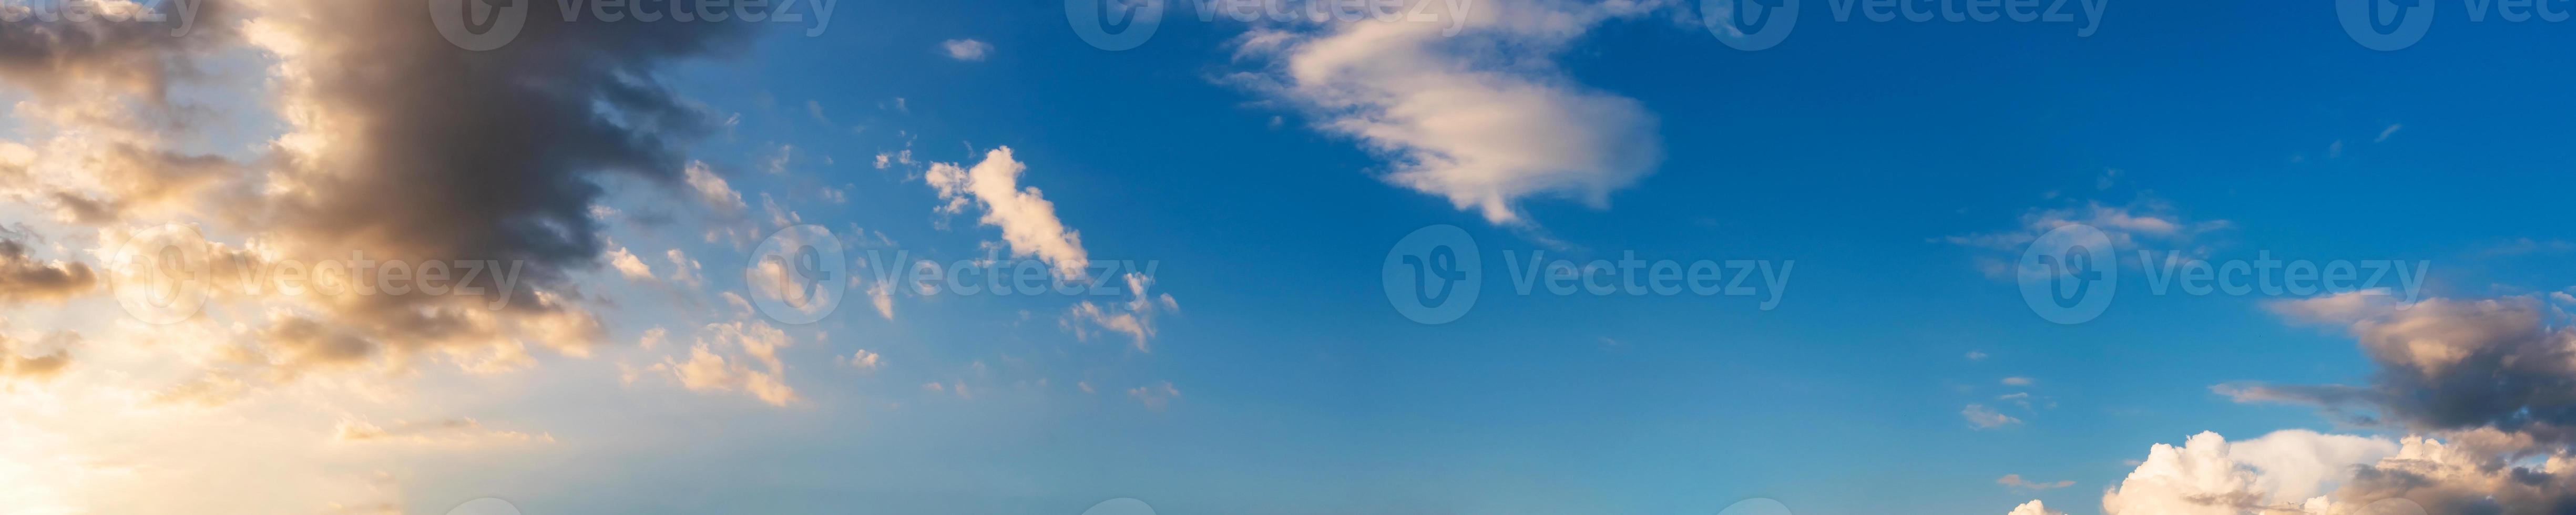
x=2208 y=475
x=722 y=358
x=2444 y=365
x=2034 y=508
x=1135 y=318
x=966 y=49
x=1478 y=113
x=23 y=277
x=1027 y=220
x=628 y=265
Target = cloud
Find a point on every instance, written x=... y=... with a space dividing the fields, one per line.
x=16 y=366
x=449 y=431
x=718 y=362
x=1028 y=221
x=2385 y=133
x=966 y=49
x=1135 y=318
x=713 y=190
x=2208 y=475
x=2444 y=365
x=864 y=360
x=1155 y=396
x=628 y=265
x=2034 y=508
x=2015 y=481
x=1982 y=417
x=24 y=278
x=1478 y=113
x=2146 y=224
x=2016 y=381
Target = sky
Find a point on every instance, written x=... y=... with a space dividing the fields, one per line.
x=1284 y=256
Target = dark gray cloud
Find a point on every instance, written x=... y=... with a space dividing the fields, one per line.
x=2448 y=365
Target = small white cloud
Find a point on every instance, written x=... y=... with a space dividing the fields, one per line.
x=2017 y=381
x=1155 y=396
x=966 y=49
x=627 y=265
x=2390 y=131
x=864 y=360
x=1976 y=356
x=1986 y=418
x=2015 y=481
x=1027 y=219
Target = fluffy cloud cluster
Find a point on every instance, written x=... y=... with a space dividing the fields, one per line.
x=397 y=144
x=1028 y=222
x=2445 y=365
x=722 y=358
x=1134 y=318
x=1473 y=110
x=23 y=277
x=2483 y=383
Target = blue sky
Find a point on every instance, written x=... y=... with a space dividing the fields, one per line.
x=1271 y=375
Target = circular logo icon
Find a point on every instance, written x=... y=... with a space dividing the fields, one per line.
x=1432 y=275
x=161 y=274
x=798 y=276
x=2385 y=25
x=2069 y=274
x=1756 y=506
x=479 y=25
x=1749 y=25
x=1120 y=506
x=485 y=506
x=1092 y=20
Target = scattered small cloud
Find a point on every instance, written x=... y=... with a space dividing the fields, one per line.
x=966 y=49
